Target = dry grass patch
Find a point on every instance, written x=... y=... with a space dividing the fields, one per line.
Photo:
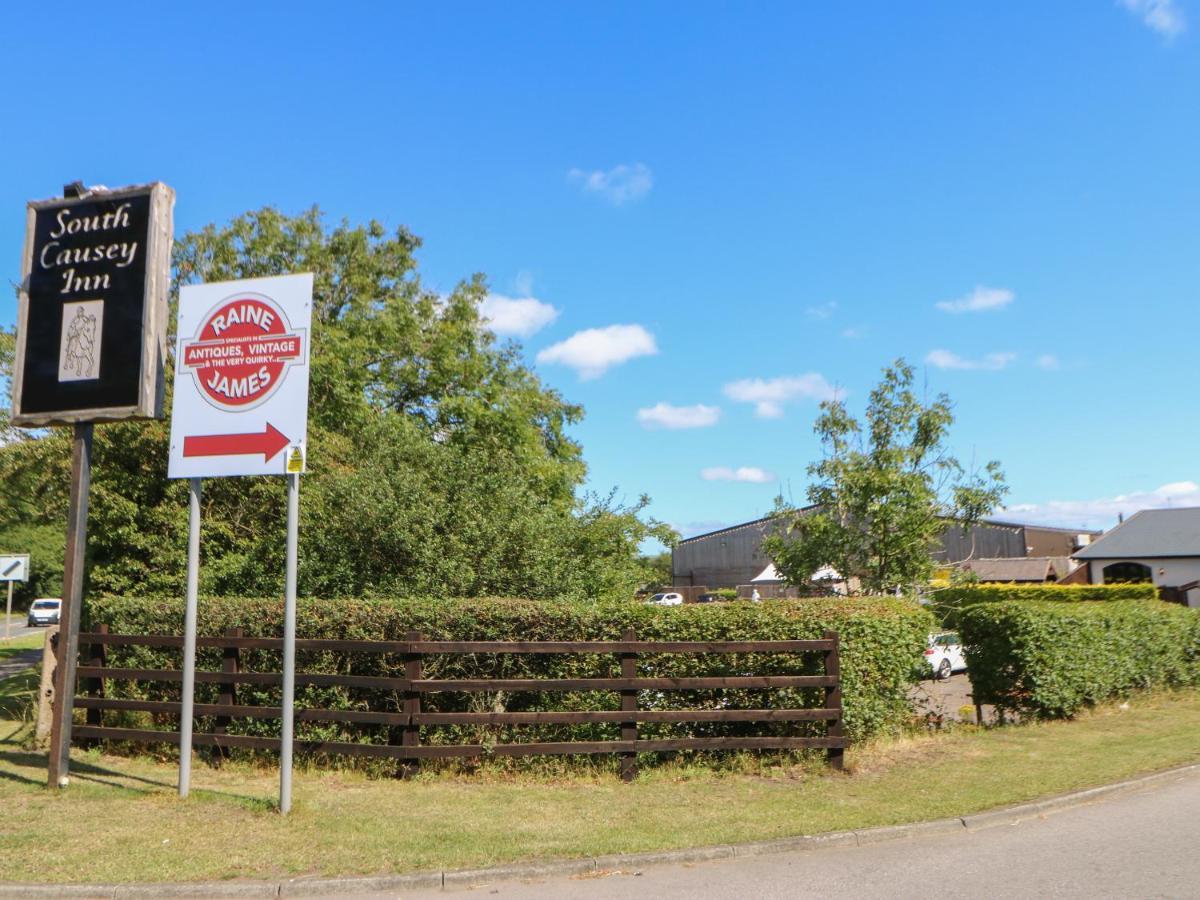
x=121 y=821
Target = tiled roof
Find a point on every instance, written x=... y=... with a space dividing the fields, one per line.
x=1026 y=568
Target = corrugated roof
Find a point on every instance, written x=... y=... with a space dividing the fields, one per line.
x=1150 y=533
x=740 y=526
x=708 y=534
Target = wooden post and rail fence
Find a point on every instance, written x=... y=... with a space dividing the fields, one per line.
x=405 y=724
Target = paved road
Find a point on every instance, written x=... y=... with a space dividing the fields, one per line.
x=1139 y=844
x=17 y=626
x=15 y=665
x=23 y=660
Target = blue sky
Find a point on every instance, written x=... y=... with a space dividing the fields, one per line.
x=772 y=200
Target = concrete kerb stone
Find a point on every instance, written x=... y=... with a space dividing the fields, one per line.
x=518 y=872
x=106 y=891
x=1015 y=814
x=664 y=857
x=198 y=889
x=803 y=842
x=315 y=886
x=907 y=832
x=368 y=884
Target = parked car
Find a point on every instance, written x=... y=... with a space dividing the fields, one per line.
x=945 y=654
x=666 y=599
x=709 y=598
x=44 y=611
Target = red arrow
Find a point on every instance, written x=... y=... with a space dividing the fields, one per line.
x=268 y=443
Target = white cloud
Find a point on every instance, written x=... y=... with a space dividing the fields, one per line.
x=1103 y=512
x=522 y=316
x=664 y=415
x=822 y=311
x=854 y=333
x=593 y=351
x=768 y=396
x=979 y=300
x=747 y=474
x=944 y=359
x=618 y=185
x=1162 y=16
x=1047 y=361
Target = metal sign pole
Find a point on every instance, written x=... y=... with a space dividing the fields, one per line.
x=8 y=613
x=68 y=620
x=289 y=646
x=189 y=638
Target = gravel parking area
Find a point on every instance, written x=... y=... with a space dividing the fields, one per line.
x=950 y=699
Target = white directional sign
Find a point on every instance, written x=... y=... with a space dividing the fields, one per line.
x=241 y=377
x=14 y=568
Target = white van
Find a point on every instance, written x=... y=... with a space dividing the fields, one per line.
x=44 y=611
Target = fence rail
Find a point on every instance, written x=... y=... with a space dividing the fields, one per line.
x=405 y=724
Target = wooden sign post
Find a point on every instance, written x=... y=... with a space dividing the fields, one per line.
x=91 y=343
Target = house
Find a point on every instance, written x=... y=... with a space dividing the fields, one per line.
x=769 y=584
x=1155 y=545
x=1047 y=540
x=1019 y=570
x=734 y=556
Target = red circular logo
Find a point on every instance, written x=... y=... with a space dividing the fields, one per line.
x=241 y=353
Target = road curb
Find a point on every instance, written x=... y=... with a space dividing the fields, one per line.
x=1013 y=814
x=309 y=887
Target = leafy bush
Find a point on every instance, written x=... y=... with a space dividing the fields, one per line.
x=1051 y=659
x=1063 y=593
x=948 y=601
x=881 y=640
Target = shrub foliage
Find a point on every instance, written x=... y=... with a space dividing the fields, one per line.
x=1068 y=593
x=1051 y=659
x=947 y=602
x=882 y=639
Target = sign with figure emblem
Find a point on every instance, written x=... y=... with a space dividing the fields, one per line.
x=241 y=376
x=91 y=322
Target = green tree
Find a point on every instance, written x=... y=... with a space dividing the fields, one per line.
x=656 y=572
x=438 y=462
x=8 y=345
x=883 y=491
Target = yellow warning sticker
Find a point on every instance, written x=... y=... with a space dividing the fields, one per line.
x=295 y=460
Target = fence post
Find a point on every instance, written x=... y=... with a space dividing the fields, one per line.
x=231 y=664
x=94 y=687
x=833 y=698
x=629 y=731
x=410 y=736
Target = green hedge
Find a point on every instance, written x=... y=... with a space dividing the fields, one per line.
x=946 y=602
x=1051 y=659
x=882 y=639
x=968 y=595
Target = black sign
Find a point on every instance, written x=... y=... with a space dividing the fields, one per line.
x=93 y=309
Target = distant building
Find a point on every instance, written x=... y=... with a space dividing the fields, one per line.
x=734 y=556
x=1019 y=570
x=1161 y=546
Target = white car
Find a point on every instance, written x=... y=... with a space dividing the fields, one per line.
x=666 y=599
x=944 y=654
x=44 y=611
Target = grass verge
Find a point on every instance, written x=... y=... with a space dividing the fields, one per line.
x=120 y=820
x=16 y=645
